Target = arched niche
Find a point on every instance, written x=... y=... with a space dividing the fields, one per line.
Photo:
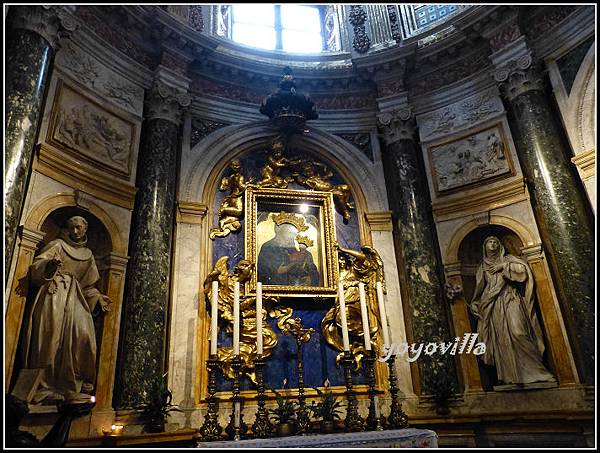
x=470 y=256
x=42 y=225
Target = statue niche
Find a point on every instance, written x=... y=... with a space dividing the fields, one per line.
x=63 y=320
x=499 y=288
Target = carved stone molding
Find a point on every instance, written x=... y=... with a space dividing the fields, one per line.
x=50 y=22
x=190 y=212
x=358 y=17
x=380 y=221
x=31 y=238
x=397 y=125
x=362 y=141
x=465 y=113
x=586 y=163
x=166 y=103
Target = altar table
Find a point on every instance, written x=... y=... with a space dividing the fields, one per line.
x=396 y=438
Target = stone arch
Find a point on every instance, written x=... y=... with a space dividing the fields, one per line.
x=524 y=233
x=582 y=93
x=43 y=209
x=211 y=156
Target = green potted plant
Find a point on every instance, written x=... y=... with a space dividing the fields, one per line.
x=284 y=414
x=157 y=409
x=327 y=410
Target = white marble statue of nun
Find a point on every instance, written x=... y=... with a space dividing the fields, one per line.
x=507 y=322
x=61 y=338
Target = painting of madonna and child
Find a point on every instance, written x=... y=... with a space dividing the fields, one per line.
x=289 y=245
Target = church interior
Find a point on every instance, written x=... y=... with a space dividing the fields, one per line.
x=279 y=225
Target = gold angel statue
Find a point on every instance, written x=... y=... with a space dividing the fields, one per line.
x=248 y=351
x=318 y=180
x=232 y=206
x=276 y=162
x=364 y=265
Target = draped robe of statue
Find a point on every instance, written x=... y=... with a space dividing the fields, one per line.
x=61 y=336
x=507 y=322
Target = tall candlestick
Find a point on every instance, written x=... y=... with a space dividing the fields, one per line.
x=365 y=315
x=345 y=339
x=383 y=315
x=214 y=310
x=236 y=318
x=259 y=318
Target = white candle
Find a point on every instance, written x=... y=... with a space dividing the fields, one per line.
x=236 y=417
x=365 y=315
x=236 y=318
x=259 y=318
x=343 y=317
x=214 y=314
x=383 y=315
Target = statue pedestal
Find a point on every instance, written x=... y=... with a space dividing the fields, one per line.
x=397 y=438
x=531 y=386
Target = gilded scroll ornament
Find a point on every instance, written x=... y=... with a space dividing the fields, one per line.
x=232 y=207
x=364 y=266
x=248 y=351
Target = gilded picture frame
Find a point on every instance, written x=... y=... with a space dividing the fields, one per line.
x=290 y=238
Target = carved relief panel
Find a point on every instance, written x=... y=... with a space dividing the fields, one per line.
x=83 y=128
x=472 y=159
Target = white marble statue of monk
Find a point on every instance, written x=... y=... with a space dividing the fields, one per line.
x=507 y=322
x=61 y=337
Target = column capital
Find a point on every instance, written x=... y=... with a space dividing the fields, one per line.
x=398 y=124
x=31 y=238
x=515 y=69
x=166 y=101
x=50 y=22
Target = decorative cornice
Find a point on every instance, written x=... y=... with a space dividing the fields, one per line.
x=470 y=202
x=586 y=163
x=165 y=102
x=190 y=212
x=397 y=125
x=50 y=22
x=380 y=221
x=30 y=238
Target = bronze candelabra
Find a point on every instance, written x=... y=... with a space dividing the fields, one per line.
x=302 y=416
x=374 y=417
x=210 y=429
x=236 y=427
x=354 y=421
x=397 y=418
x=262 y=427
x=293 y=326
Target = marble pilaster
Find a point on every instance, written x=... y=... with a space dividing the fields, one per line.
x=559 y=204
x=147 y=287
x=414 y=235
x=30 y=41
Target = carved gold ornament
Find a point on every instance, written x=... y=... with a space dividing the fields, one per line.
x=288 y=217
x=232 y=206
x=248 y=350
x=356 y=266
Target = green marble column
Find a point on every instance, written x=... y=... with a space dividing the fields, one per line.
x=29 y=39
x=415 y=239
x=559 y=204
x=146 y=298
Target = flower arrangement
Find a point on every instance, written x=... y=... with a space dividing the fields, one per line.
x=327 y=409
